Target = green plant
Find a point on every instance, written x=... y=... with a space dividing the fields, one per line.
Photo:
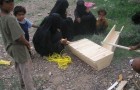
x=119 y=12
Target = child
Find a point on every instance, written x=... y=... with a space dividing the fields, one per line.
x=101 y=23
x=19 y=12
x=135 y=63
x=15 y=44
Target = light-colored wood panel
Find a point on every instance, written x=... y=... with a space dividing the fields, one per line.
x=121 y=85
x=93 y=54
x=112 y=37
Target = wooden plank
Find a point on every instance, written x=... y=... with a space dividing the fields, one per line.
x=79 y=42
x=93 y=54
x=120 y=46
x=112 y=37
x=121 y=85
x=111 y=31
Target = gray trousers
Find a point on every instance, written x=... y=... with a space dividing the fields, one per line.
x=24 y=72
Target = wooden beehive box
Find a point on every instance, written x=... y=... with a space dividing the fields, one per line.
x=93 y=54
x=112 y=37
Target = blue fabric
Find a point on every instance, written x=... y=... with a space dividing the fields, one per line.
x=29 y=23
x=25 y=25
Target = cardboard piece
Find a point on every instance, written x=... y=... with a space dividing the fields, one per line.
x=93 y=54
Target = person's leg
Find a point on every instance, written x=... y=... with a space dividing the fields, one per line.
x=26 y=75
x=20 y=75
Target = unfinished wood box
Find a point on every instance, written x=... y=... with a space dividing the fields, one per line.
x=93 y=54
x=112 y=38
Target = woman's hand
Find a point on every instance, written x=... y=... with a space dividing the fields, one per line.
x=78 y=20
x=64 y=41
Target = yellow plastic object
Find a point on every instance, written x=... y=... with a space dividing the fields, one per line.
x=4 y=62
x=62 y=61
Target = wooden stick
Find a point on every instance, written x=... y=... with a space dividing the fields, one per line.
x=119 y=46
x=116 y=83
x=121 y=85
x=121 y=29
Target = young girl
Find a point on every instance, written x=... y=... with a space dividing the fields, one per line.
x=20 y=12
x=101 y=23
x=15 y=44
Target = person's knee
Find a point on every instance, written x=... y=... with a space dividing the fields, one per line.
x=136 y=65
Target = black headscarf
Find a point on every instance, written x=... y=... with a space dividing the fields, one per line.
x=136 y=18
x=80 y=8
x=60 y=7
x=42 y=39
x=88 y=20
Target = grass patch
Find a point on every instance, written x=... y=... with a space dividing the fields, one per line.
x=119 y=12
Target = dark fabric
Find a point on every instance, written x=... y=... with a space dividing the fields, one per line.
x=60 y=7
x=80 y=9
x=67 y=26
x=47 y=38
x=88 y=20
x=136 y=18
x=25 y=29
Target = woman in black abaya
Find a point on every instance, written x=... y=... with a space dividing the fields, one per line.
x=48 y=38
x=85 y=21
x=60 y=8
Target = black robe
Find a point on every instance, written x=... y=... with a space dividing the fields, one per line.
x=136 y=18
x=60 y=8
x=88 y=20
x=47 y=38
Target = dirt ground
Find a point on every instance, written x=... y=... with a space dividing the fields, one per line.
x=78 y=76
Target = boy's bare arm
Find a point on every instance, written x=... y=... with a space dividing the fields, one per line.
x=24 y=41
x=135 y=47
x=138 y=46
x=35 y=26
